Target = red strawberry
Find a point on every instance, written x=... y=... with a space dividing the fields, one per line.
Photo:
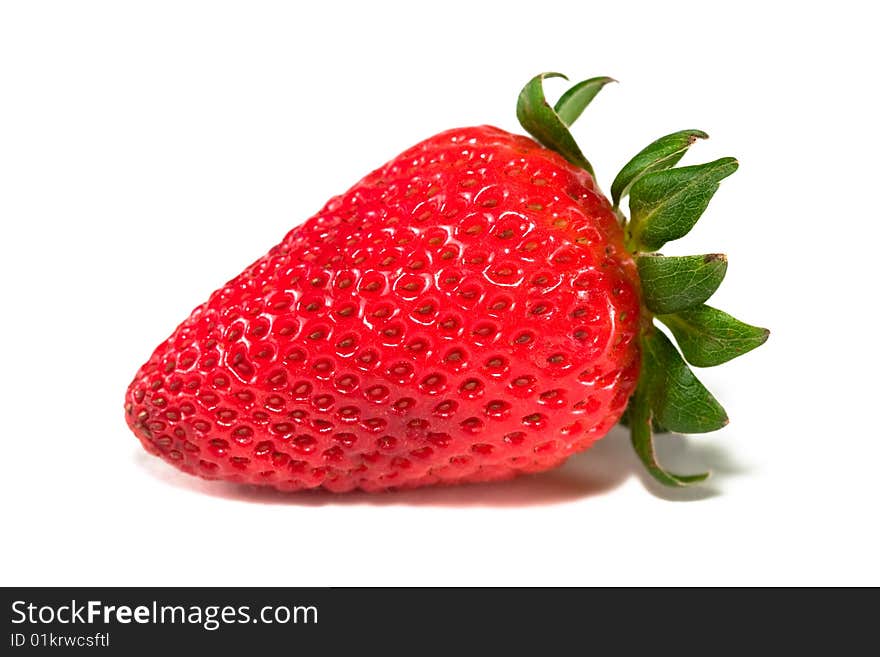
x=470 y=311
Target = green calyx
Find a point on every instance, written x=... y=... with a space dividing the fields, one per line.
x=549 y=125
x=665 y=202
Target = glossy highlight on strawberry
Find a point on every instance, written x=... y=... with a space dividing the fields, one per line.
x=472 y=310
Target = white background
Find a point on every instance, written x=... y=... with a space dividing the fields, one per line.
x=151 y=150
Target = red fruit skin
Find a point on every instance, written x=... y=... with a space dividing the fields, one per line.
x=467 y=312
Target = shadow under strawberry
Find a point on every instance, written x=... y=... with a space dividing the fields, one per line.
x=602 y=469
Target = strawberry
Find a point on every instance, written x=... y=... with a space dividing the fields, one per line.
x=472 y=310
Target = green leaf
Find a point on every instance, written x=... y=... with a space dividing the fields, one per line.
x=624 y=420
x=709 y=337
x=573 y=102
x=543 y=123
x=672 y=284
x=677 y=398
x=657 y=156
x=665 y=205
x=643 y=442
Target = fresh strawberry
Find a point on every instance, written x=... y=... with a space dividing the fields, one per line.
x=472 y=310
